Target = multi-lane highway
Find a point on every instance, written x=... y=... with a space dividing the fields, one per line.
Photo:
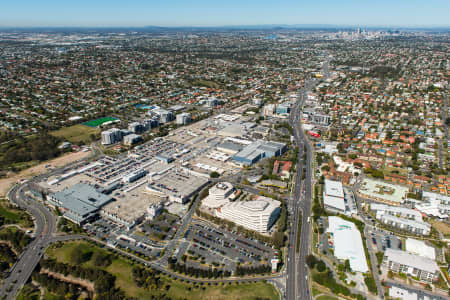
x=297 y=278
x=45 y=226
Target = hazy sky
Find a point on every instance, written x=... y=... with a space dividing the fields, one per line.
x=223 y=12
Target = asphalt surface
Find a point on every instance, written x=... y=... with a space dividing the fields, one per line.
x=297 y=281
x=45 y=226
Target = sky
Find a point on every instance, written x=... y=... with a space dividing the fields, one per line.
x=123 y=13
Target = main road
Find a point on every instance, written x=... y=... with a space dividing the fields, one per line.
x=45 y=226
x=297 y=278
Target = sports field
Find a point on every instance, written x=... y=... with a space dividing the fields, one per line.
x=98 y=122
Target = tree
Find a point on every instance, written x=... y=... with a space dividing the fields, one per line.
x=321 y=266
x=214 y=175
x=311 y=261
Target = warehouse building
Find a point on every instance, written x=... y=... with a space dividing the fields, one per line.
x=401 y=261
x=258 y=215
x=333 y=196
x=79 y=203
x=347 y=242
x=258 y=150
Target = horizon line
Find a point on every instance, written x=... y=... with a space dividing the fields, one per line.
x=286 y=26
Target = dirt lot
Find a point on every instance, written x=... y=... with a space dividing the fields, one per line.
x=441 y=227
x=6 y=183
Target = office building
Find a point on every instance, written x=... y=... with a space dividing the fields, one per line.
x=218 y=195
x=258 y=215
x=414 y=265
x=420 y=248
x=131 y=139
x=111 y=136
x=183 y=118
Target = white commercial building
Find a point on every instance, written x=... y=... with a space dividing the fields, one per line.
x=111 y=136
x=333 y=196
x=218 y=195
x=433 y=204
x=415 y=226
x=258 y=215
x=131 y=139
x=420 y=248
x=183 y=118
x=383 y=209
x=347 y=243
x=402 y=294
x=401 y=261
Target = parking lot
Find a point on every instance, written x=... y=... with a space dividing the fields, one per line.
x=213 y=246
x=382 y=239
x=118 y=236
x=162 y=228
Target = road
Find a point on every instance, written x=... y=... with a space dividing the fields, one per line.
x=367 y=223
x=45 y=226
x=297 y=281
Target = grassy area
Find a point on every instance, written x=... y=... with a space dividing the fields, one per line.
x=441 y=227
x=98 y=122
x=326 y=297
x=29 y=292
x=77 y=134
x=122 y=269
x=14 y=216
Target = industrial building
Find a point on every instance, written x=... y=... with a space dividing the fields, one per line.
x=414 y=265
x=79 y=203
x=258 y=150
x=258 y=215
x=347 y=242
x=218 y=195
x=333 y=196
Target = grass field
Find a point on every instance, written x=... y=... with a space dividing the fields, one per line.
x=122 y=269
x=14 y=216
x=326 y=297
x=441 y=227
x=76 y=133
x=98 y=122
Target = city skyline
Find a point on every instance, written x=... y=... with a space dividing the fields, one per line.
x=199 y=13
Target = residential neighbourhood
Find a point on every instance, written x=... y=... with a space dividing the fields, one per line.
x=308 y=163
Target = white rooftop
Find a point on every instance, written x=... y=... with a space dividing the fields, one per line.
x=334 y=188
x=399 y=293
x=348 y=243
x=412 y=260
x=420 y=248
